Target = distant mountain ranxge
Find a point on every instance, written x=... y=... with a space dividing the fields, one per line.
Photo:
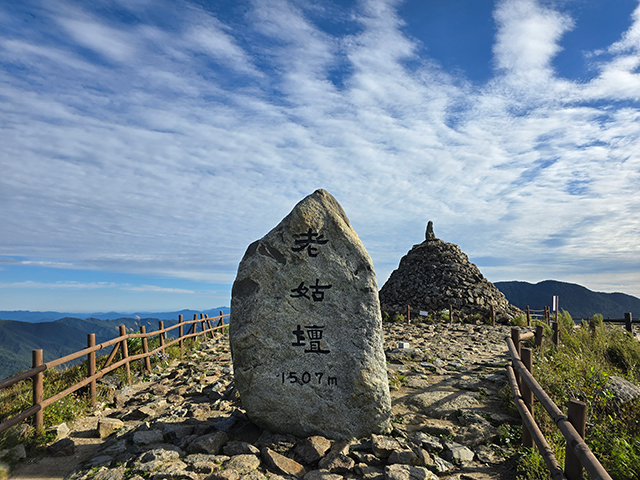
x=579 y=301
x=68 y=334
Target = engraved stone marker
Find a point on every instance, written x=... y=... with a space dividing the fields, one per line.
x=306 y=330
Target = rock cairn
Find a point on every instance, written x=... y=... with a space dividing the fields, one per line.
x=187 y=421
x=436 y=275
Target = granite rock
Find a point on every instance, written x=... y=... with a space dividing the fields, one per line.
x=306 y=329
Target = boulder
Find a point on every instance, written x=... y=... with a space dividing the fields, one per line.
x=306 y=328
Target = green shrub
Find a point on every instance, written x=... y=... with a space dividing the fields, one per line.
x=596 y=321
x=579 y=368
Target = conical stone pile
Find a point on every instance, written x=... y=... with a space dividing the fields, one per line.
x=435 y=275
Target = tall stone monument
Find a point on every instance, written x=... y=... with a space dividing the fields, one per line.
x=306 y=329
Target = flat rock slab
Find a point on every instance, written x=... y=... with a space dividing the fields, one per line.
x=306 y=329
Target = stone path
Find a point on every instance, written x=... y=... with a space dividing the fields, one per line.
x=187 y=421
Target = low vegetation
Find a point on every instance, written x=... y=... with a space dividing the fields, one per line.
x=18 y=397
x=580 y=368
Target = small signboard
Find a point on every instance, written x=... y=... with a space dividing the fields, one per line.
x=424 y=314
x=555 y=303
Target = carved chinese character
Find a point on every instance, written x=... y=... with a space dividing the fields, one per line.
x=314 y=332
x=299 y=333
x=300 y=292
x=307 y=240
x=316 y=291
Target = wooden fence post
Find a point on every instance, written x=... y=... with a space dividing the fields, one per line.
x=221 y=321
x=180 y=333
x=628 y=320
x=408 y=314
x=145 y=349
x=577 y=415
x=527 y=396
x=515 y=337
x=91 y=367
x=161 y=327
x=493 y=316
x=528 y=316
x=450 y=313
x=539 y=334
x=202 y=325
x=38 y=388
x=556 y=336
x=125 y=352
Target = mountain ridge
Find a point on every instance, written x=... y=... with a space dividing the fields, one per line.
x=52 y=316
x=576 y=299
x=69 y=334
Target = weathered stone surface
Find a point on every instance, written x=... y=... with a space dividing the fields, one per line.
x=236 y=447
x=306 y=330
x=148 y=437
x=322 y=475
x=107 y=426
x=384 y=446
x=110 y=474
x=456 y=453
x=434 y=275
x=4 y=471
x=282 y=464
x=211 y=444
x=444 y=403
x=62 y=448
x=406 y=472
x=243 y=464
x=60 y=431
x=336 y=462
x=622 y=390
x=312 y=449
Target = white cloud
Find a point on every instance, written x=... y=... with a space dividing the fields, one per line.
x=528 y=38
x=156 y=289
x=163 y=161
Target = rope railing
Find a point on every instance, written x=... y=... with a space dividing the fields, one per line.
x=36 y=373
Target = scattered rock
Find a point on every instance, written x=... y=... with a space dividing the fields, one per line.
x=282 y=464
x=108 y=426
x=60 y=431
x=312 y=449
x=407 y=472
x=62 y=448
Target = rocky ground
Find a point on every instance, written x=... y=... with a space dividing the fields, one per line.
x=187 y=422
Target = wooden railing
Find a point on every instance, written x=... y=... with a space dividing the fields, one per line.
x=36 y=373
x=572 y=426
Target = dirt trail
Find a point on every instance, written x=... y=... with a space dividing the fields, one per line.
x=446 y=384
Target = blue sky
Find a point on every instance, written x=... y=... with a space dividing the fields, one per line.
x=145 y=143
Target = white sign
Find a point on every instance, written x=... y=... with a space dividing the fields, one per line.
x=555 y=303
x=424 y=314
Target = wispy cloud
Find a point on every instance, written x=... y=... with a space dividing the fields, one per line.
x=167 y=143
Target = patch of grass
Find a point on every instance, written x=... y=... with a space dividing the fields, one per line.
x=580 y=368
